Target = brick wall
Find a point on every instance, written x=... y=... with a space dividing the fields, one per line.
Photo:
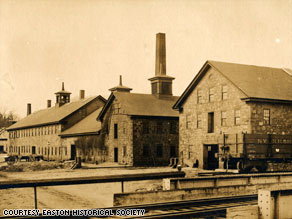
x=192 y=138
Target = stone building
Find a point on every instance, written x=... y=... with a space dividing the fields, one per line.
x=39 y=132
x=142 y=129
x=225 y=100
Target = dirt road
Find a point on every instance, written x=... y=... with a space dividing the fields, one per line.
x=73 y=196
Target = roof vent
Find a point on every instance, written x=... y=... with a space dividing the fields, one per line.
x=120 y=87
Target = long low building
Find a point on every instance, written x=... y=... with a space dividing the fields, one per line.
x=39 y=133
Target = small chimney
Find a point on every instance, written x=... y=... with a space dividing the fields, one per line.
x=28 y=108
x=49 y=103
x=63 y=87
x=82 y=94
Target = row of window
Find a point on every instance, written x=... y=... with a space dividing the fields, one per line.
x=148 y=151
x=41 y=150
x=159 y=128
x=212 y=96
x=266 y=117
x=45 y=130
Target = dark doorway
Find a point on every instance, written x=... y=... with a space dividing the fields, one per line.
x=116 y=154
x=73 y=152
x=210 y=160
x=33 y=149
x=173 y=151
x=1 y=149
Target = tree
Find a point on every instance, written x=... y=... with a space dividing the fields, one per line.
x=7 y=119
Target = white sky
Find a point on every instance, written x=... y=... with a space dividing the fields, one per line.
x=89 y=43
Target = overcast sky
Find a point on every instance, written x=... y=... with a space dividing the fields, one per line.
x=89 y=43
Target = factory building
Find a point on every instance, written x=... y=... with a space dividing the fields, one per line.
x=38 y=134
x=85 y=137
x=225 y=101
x=142 y=129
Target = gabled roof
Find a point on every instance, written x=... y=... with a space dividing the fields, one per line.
x=52 y=115
x=86 y=126
x=135 y=104
x=256 y=82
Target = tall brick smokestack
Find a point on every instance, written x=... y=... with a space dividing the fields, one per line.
x=28 y=108
x=161 y=84
x=160 y=65
x=49 y=103
x=82 y=94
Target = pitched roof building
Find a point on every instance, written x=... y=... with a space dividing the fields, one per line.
x=39 y=132
x=142 y=129
x=225 y=100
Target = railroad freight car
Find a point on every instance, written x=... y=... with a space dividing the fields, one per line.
x=247 y=151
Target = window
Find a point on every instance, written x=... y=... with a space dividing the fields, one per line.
x=145 y=127
x=56 y=150
x=211 y=122
x=159 y=150
x=154 y=88
x=237 y=117
x=159 y=127
x=190 y=151
x=125 y=151
x=115 y=130
x=199 y=96
x=199 y=121
x=267 y=117
x=223 y=118
x=172 y=127
x=211 y=95
x=188 y=121
x=224 y=92
x=145 y=150
x=65 y=148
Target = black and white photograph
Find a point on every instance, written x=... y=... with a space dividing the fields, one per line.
x=146 y=109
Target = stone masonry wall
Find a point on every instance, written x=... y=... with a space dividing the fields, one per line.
x=124 y=141
x=152 y=139
x=280 y=118
x=192 y=138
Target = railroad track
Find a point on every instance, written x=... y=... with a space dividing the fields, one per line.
x=190 y=208
x=180 y=209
